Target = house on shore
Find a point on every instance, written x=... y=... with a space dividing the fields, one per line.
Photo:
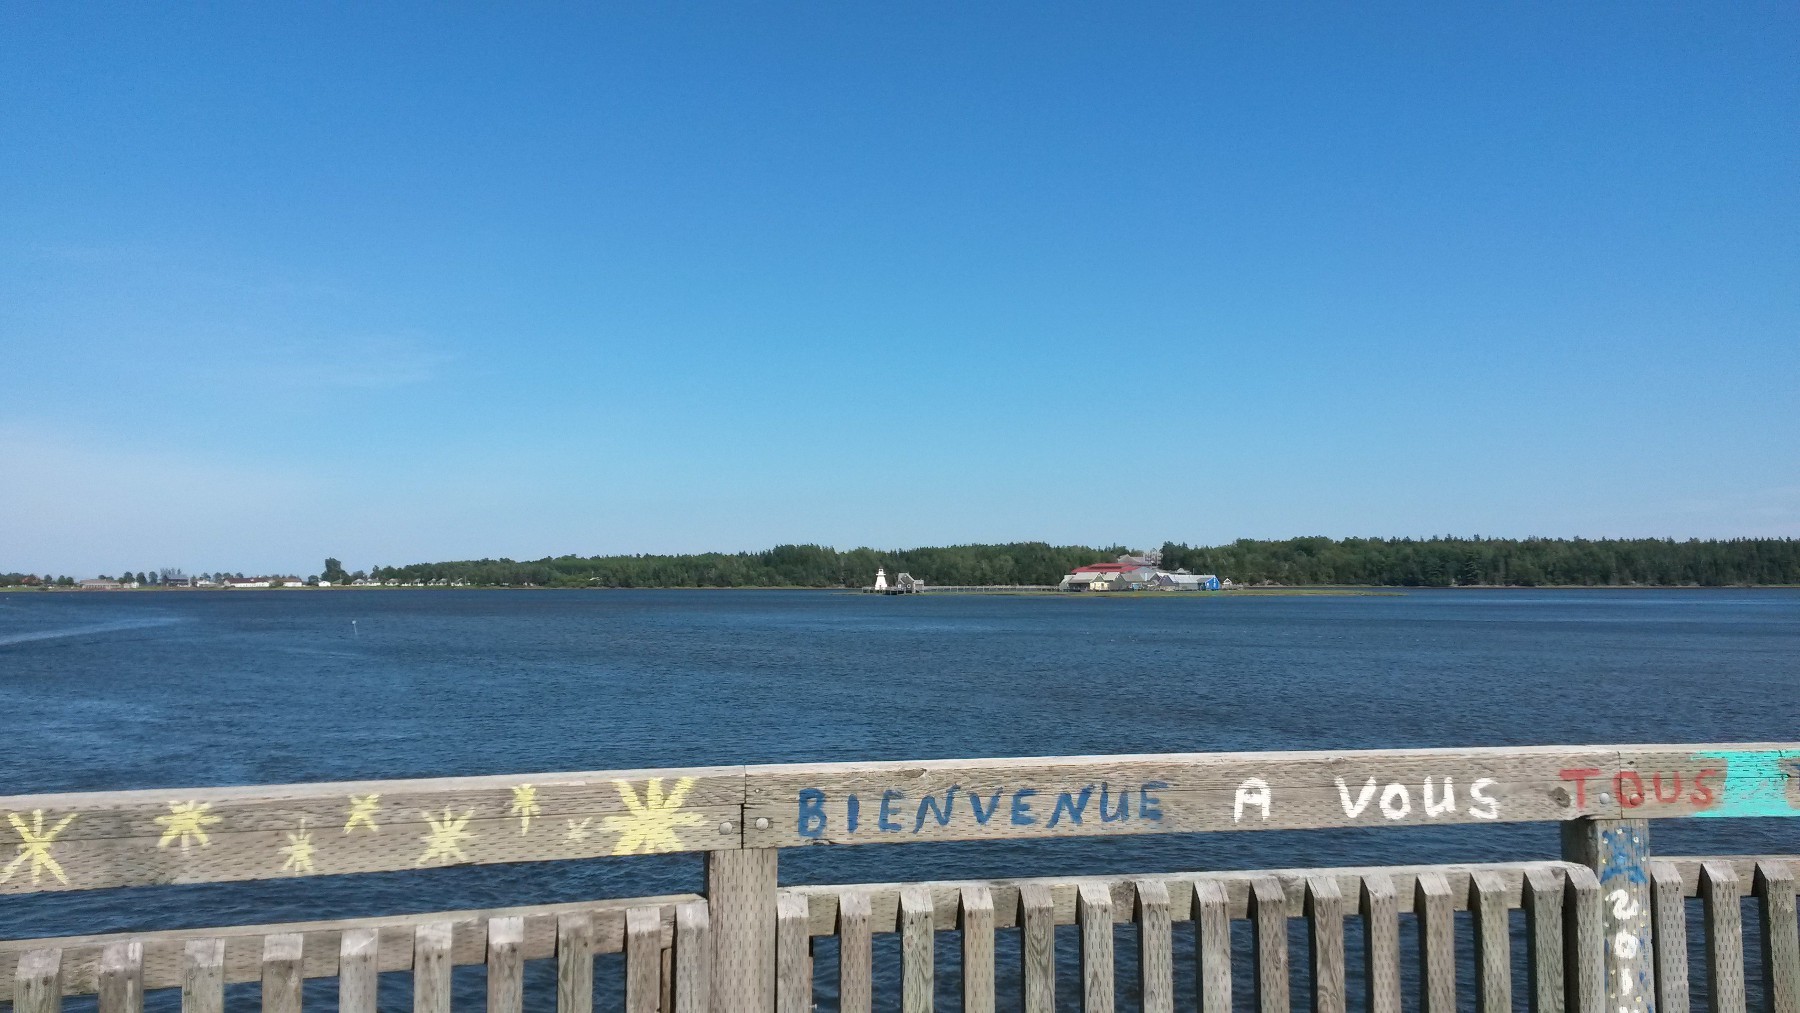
x=1136 y=573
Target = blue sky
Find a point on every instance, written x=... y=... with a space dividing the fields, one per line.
x=397 y=283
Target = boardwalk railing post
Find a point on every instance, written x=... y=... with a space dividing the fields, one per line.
x=740 y=898
x=1618 y=851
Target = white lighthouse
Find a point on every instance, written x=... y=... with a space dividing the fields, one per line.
x=881 y=578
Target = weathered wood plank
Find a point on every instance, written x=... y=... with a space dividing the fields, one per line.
x=1075 y=796
x=1741 y=779
x=431 y=968
x=917 y=925
x=1037 y=918
x=856 y=989
x=1269 y=918
x=203 y=986
x=1325 y=925
x=978 y=949
x=643 y=960
x=740 y=887
x=1584 y=947
x=1437 y=943
x=693 y=959
x=1493 y=941
x=1545 y=960
x=201 y=835
x=1719 y=895
x=1617 y=850
x=506 y=965
x=1156 y=947
x=39 y=988
x=1212 y=947
x=575 y=962
x=1094 y=913
x=122 y=978
x=281 y=978
x=1775 y=892
x=793 y=955
x=1380 y=907
x=165 y=959
x=359 y=982
x=1669 y=910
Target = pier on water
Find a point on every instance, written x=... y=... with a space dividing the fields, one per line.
x=1599 y=925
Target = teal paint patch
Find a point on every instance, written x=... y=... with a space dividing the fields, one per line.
x=1756 y=782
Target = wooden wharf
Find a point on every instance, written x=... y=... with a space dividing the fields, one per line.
x=1601 y=926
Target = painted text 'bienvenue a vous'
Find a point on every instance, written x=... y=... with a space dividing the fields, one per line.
x=897 y=812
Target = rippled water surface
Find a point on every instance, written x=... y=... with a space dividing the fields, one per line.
x=139 y=690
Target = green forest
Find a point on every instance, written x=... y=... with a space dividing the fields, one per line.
x=1388 y=562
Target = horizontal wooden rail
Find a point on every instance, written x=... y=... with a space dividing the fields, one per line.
x=135 y=838
x=167 y=958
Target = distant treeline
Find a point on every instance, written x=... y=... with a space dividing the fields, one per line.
x=1395 y=562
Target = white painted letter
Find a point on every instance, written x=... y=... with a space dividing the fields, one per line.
x=1355 y=809
x=1433 y=808
x=1254 y=792
x=1485 y=807
x=1396 y=802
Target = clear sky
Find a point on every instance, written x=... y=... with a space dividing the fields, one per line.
x=400 y=283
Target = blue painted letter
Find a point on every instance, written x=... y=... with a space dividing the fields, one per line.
x=812 y=812
x=1149 y=806
x=1021 y=809
x=993 y=806
x=1123 y=812
x=930 y=804
x=884 y=820
x=855 y=809
x=1071 y=804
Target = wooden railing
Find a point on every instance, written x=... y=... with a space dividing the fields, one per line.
x=1605 y=928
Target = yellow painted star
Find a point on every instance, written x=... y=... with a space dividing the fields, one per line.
x=34 y=846
x=444 y=841
x=580 y=831
x=186 y=822
x=651 y=823
x=525 y=806
x=362 y=813
x=298 y=854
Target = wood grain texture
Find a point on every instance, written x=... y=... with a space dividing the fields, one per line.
x=1775 y=892
x=978 y=949
x=1094 y=914
x=575 y=962
x=39 y=982
x=1720 y=893
x=203 y=835
x=1212 y=947
x=856 y=989
x=122 y=978
x=431 y=967
x=917 y=946
x=281 y=977
x=1037 y=951
x=693 y=959
x=1544 y=960
x=358 y=980
x=1584 y=947
x=1617 y=851
x=203 y=985
x=1436 y=920
x=793 y=955
x=740 y=890
x=506 y=965
x=1325 y=930
x=165 y=960
x=1493 y=942
x=1379 y=903
x=643 y=960
x=1018 y=798
x=1156 y=947
x=1668 y=906
x=1268 y=919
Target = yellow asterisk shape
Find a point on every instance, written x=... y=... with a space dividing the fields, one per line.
x=187 y=822
x=444 y=841
x=34 y=846
x=362 y=812
x=651 y=822
x=298 y=854
x=525 y=805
